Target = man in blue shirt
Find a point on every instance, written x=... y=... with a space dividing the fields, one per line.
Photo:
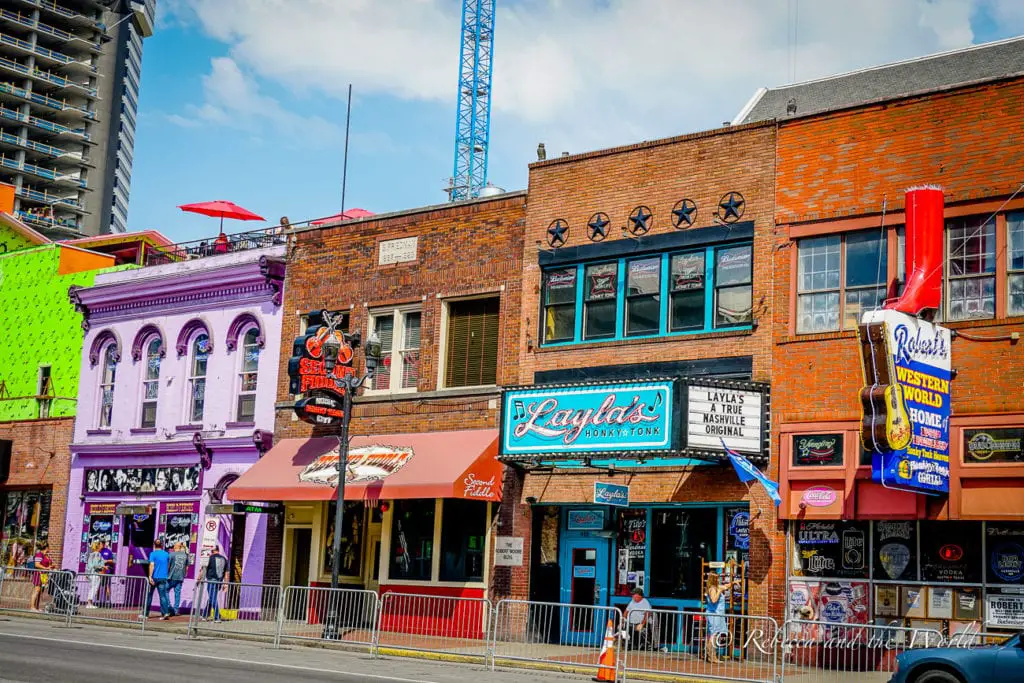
x=159 y=567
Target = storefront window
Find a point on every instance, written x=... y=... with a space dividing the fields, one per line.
x=351 y=540
x=463 y=526
x=1005 y=548
x=412 y=540
x=25 y=519
x=631 y=550
x=895 y=551
x=831 y=549
x=680 y=539
x=951 y=552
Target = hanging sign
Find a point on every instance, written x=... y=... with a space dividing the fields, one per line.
x=321 y=407
x=906 y=402
x=719 y=414
x=307 y=372
x=611 y=494
x=627 y=416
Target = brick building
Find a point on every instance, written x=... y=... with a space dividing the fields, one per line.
x=440 y=288
x=646 y=321
x=860 y=551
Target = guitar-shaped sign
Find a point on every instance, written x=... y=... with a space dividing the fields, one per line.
x=885 y=426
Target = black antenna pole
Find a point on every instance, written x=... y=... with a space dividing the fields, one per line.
x=344 y=167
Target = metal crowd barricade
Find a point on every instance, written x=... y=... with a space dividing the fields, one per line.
x=112 y=597
x=700 y=645
x=55 y=587
x=857 y=653
x=340 y=615
x=971 y=638
x=433 y=623
x=557 y=636
x=245 y=610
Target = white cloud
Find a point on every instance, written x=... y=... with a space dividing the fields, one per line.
x=577 y=73
x=233 y=98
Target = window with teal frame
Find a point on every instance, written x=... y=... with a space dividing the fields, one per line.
x=674 y=293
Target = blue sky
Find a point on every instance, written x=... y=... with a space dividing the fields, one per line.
x=244 y=99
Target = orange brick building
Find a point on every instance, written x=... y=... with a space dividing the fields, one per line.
x=859 y=551
x=440 y=287
x=646 y=287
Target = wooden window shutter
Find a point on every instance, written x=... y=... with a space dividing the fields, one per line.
x=472 y=354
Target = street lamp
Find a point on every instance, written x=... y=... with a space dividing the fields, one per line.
x=348 y=385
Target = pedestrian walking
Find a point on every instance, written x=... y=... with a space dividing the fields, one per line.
x=109 y=562
x=94 y=569
x=216 y=570
x=41 y=560
x=176 y=575
x=159 y=567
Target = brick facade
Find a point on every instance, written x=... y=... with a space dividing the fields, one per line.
x=833 y=171
x=463 y=250
x=702 y=167
x=40 y=460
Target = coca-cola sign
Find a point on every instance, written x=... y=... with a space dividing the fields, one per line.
x=819 y=496
x=820 y=450
x=628 y=416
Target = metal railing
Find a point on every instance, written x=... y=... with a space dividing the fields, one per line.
x=700 y=645
x=242 y=241
x=837 y=653
x=49 y=592
x=557 y=635
x=246 y=610
x=434 y=623
x=339 y=615
x=112 y=597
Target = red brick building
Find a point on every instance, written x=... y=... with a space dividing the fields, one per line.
x=646 y=312
x=857 y=550
x=440 y=286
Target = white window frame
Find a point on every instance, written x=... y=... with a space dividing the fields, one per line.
x=104 y=365
x=142 y=384
x=442 y=361
x=190 y=384
x=240 y=376
x=399 y=314
x=967 y=223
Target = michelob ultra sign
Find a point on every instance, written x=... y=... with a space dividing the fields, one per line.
x=905 y=400
x=625 y=416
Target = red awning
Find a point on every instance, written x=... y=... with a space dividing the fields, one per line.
x=393 y=466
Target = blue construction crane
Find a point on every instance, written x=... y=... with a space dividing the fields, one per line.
x=473 y=118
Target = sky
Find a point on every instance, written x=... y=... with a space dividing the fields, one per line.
x=245 y=99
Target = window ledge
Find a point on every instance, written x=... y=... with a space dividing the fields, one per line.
x=455 y=392
x=819 y=336
x=239 y=425
x=655 y=339
x=142 y=430
x=188 y=428
x=97 y=432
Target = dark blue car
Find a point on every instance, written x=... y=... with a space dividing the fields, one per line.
x=997 y=663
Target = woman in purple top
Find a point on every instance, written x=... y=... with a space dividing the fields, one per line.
x=41 y=561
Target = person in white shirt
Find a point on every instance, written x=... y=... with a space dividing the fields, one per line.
x=637 y=613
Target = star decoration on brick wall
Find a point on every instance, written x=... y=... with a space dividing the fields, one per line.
x=597 y=227
x=731 y=207
x=640 y=220
x=683 y=213
x=558 y=233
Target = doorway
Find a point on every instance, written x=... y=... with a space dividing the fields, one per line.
x=301 y=546
x=584 y=583
x=139 y=533
x=371 y=563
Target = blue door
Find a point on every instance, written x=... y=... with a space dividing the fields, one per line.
x=584 y=583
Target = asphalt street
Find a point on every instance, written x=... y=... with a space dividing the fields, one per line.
x=36 y=651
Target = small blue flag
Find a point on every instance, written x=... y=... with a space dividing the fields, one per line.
x=747 y=473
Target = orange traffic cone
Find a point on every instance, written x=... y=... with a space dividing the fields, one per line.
x=606 y=662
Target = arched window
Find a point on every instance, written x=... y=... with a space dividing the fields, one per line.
x=151 y=381
x=107 y=377
x=247 y=375
x=198 y=358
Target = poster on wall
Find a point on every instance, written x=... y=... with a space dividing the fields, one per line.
x=967 y=605
x=887 y=601
x=100 y=524
x=940 y=602
x=631 y=542
x=837 y=602
x=906 y=407
x=913 y=601
x=142 y=480
x=179 y=523
x=1004 y=610
x=895 y=550
x=1005 y=546
x=831 y=549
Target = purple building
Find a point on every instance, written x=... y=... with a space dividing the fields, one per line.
x=176 y=400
